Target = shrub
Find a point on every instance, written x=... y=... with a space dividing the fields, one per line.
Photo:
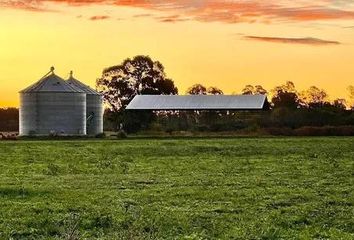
x=101 y=135
x=279 y=131
x=325 y=131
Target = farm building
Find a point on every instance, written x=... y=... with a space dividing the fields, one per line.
x=53 y=106
x=199 y=102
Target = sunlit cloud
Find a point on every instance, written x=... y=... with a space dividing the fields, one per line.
x=307 y=41
x=172 y=19
x=143 y=15
x=228 y=11
x=23 y=5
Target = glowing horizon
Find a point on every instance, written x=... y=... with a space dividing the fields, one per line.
x=223 y=43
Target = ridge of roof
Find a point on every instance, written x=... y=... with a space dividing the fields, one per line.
x=78 y=84
x=51 y=83
x=85 y=88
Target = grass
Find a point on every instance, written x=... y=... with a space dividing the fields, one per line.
x=219 y=188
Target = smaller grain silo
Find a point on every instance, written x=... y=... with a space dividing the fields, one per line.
x=51 y=106
x=94 y=107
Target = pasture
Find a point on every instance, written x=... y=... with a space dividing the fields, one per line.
x=196 y=188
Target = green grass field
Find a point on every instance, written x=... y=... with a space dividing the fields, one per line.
x=216 y=188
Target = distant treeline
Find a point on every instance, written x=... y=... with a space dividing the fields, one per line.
x=290 y=109
x=292 y=112
x=321 y=121
x=9 y=120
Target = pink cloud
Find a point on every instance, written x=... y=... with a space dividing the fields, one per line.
x=228 y=11
x=29 y=5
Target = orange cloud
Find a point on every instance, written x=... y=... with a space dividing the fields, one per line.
x=308 y=41
x=229 y=11
x=29 y=5
x=172 y=19
x=233 y=11
x=143 y=15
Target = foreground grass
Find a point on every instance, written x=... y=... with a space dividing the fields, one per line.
x=246 y=188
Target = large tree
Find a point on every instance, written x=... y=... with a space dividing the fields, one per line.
x=119 y=84
x=314 y=97
x=140 y=75
x=197 y=89
x=285 y=96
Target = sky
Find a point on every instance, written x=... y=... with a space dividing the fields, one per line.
x=222 y=43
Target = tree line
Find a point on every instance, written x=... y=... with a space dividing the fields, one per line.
x=141 y=75
x=284 y=95
x=290 y=108
x=9 y=119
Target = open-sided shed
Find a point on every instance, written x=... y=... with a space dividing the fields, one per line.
x=199 y=102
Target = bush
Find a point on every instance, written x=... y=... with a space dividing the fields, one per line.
x=9 y=119
x=312 y=131
x=325 y=131
x=279 y=131
x=101 y=135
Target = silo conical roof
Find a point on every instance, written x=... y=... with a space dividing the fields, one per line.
x=51 y=83
x=76 y=83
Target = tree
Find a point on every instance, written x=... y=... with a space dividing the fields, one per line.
x=287 y=87
x=260 y=90
x=314 y=97
x=9 y=119
x=285 y=96
x=253 y=90
x=119 y=84
x=248 y=90
x=214 y=91
x=340 y=103
x=351 y=95
x=197 y=89
x=140 y=75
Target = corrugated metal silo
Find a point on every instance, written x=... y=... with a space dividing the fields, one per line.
x=94 y=107
x=52 y=106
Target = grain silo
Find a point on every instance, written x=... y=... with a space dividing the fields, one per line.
x=94 y=107
x=51 y=106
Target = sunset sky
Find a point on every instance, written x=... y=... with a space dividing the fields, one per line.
x=223 y=43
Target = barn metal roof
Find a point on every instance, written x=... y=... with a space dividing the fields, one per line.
x=76 y=83
x=51 y=83
x=198 y=102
